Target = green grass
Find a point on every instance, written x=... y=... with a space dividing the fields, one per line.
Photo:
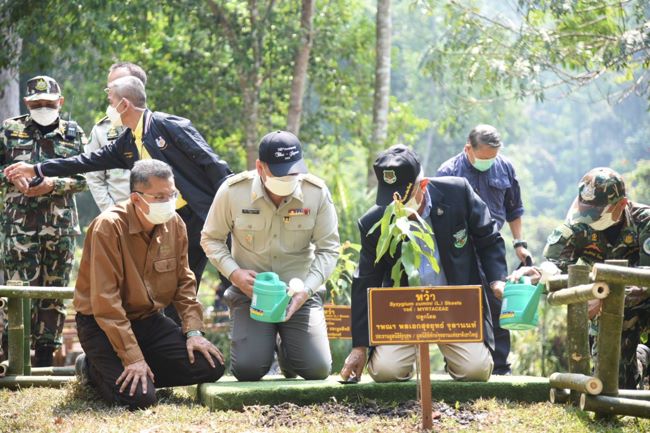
x=77 y=409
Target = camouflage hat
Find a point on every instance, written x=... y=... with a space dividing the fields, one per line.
x=600 y=191
x=42 y=87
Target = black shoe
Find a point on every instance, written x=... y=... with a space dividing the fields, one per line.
x=43 y=356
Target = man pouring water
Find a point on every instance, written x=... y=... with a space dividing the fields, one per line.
x=282 y=220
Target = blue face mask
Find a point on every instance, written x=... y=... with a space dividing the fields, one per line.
x=483 y=164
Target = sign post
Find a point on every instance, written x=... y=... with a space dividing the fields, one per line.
x=424 y=315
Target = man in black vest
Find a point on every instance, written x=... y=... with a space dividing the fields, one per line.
x=464 y=235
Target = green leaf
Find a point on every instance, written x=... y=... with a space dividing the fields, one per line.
x=396 y=274
x=409 y=257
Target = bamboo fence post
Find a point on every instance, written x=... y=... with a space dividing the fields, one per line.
x=27 y=335
x=610 y=325
x=637 y=394
x=15 y=337
x=576 y=382
x=610 y=406
x=578 y=327
x=14 y=382
x=580 y=293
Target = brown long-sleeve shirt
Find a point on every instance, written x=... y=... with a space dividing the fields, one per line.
x=128 y=274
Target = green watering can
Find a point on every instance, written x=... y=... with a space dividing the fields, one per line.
x=270 y=298
x=519 y=308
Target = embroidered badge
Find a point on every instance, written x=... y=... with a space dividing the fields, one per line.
x=251 y=211
x=588 y=192
x=41 y=85
x=628 y=239
x=161 y=143
x=460 y=238
x=646 y=246
x=390 y=177
x=439 y=211
x=299 y=211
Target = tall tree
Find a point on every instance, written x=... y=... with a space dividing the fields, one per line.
x=382 y=83
x=300 y=65
x=9 y=89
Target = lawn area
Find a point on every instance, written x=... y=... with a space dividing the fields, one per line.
x=77 y=409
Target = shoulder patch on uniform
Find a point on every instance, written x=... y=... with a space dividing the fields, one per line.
x=562 y=231
x=314 y=180
x=240 y=177
x=15 y=123
x=102 y=120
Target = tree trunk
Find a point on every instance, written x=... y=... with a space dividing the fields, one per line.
x=251 y=117
x=382 y=85
x=9 y=85
x=300 y=66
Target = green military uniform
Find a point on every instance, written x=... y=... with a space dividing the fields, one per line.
x=577 y=241
x=39 y=231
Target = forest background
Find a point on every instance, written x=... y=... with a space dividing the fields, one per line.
x=565 y=82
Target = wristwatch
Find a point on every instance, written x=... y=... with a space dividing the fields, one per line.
x=194 y=333
x=519 y=243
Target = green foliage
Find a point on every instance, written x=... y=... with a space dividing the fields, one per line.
x=398 y=229
x=339 y=284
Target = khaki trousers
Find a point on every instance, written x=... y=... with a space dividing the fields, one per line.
x=465 y=361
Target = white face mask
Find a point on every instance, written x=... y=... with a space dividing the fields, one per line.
x=412 y=203
x=283 y=186
x=44 y=115
x=160 y=213
x=603 y=223
x=114 y=115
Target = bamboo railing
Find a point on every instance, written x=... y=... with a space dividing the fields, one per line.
x=600 y=393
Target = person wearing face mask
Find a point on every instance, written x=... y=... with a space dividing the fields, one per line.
x=110 y=187
x=134 y=263
x=149 y=135
x=603 y=224
x=466 y=239
x=493 y=178
x=40 y=221
x=281 y=219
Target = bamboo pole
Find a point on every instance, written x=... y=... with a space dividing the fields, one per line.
x=636 y=394
x=609 y=405
x=37 y=292
x=577 y=382
x=4 y=366
x=620 y=275
x=578 y=327
x=3 y=302
x=610 y=325
x=559 y=395
x=15 y=336
x=14 y=382
x=580 y=293
x=557 y=282
x=53 y=371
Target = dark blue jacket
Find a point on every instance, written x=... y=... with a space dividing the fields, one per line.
x=455 y=207
x=198 y=171
x=498 y=187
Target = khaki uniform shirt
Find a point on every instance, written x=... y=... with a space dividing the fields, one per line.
x=298 y=239
x=108 y=187
x=127 y=274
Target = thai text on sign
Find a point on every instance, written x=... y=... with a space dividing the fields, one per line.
x=339 y=322
x=413 y=315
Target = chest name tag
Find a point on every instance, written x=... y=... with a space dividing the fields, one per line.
x=250 y=211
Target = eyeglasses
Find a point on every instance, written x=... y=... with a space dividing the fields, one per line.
x=159 y=197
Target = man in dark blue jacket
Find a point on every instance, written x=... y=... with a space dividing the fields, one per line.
x=198 y=171
x=464 y=234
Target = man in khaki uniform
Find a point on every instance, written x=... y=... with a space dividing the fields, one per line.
x=282 y=220
x=110 y=187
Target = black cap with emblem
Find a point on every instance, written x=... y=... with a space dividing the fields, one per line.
x=42 y=87
x=397 y=169
x=282 y=152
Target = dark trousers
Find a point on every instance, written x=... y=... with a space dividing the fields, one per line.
x=195 y=254
x=501 y=337
x=163 y=346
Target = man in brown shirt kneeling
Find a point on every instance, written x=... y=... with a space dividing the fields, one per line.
x=134 y=264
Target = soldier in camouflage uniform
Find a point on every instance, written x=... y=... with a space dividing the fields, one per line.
x=603 y=224
x=40 y=222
